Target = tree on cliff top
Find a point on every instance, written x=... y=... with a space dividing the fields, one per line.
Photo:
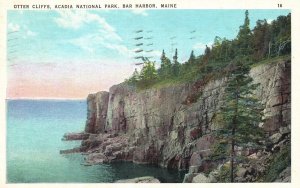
x=241 y=112
x=176 y=64
x=165 y=67
x=148 y=74
x=192 y=58
x=244 y=37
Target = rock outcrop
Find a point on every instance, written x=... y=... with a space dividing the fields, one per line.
x=75 y=136
x=285 y=175
x=96 y=112
x=171 y=127
x=145 y=179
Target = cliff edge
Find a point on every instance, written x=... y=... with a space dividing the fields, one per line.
x=171 y=126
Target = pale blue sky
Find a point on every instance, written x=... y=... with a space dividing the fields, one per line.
x=52 y=35
x=90 y=46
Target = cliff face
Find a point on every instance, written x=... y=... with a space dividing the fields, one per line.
x=96 y=112
x=171 y=126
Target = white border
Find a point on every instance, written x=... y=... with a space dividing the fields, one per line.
x=294 y=5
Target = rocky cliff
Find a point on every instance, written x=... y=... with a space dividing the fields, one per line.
x=171 y=126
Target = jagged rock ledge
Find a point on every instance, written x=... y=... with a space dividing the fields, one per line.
x=73 y=150
x=75 y=136
x=171 y=128
x=71 y=137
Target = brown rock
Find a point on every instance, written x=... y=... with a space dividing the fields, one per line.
x=161 y=128
x=75 y=136
x=196 y=159
x=96 y=158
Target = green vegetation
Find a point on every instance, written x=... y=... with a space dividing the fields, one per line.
x=265 y=41
x=241 y=111
x=272 y=60
x=278 y=163
x=220 y=150
x=224 y=174
x=238 y=118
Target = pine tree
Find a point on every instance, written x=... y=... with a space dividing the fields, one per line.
x=176 y=65
x=244 y=37
x=245 y=28
x=261 y=40
x=281 y=35
x=192 y=58
x=241 y=111
x=165 y=67
x=163 y=57
x=207 y=51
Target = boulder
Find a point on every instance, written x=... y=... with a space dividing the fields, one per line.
x=212 y=179
x=259 y=154
x=204 y=144
x=241 y=172
x=201 y=178
x=189 y=177
x=145 y=179
x=275 y=138
x=96 y=158
x=193 y=169
x=284 y=130
x=196 y=159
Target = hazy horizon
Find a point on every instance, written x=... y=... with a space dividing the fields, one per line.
x=70 y=54
x=58 y=99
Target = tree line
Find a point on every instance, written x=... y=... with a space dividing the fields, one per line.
x=264 y=41
x=240 y=112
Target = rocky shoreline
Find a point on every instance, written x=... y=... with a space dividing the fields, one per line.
x=169 y=128
x=145 y=179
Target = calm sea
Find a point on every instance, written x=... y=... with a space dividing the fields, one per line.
x=34 y=132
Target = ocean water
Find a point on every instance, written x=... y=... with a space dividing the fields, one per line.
x=34 y=132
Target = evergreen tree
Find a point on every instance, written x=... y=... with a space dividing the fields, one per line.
x=281 y=35
x=175 y=57
x=207 y=51
x=134 y=78
x=241 y=111
x=163 y=57
x=176 y=65
x=148 y=74
x=244 y=36
x=192 y=58
x=165 y=67
x=261 y=39
x=218 y=49
x=245 y=28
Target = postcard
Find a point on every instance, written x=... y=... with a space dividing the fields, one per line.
x=154 y=92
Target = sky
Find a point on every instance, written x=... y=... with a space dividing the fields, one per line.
x=69 y=54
